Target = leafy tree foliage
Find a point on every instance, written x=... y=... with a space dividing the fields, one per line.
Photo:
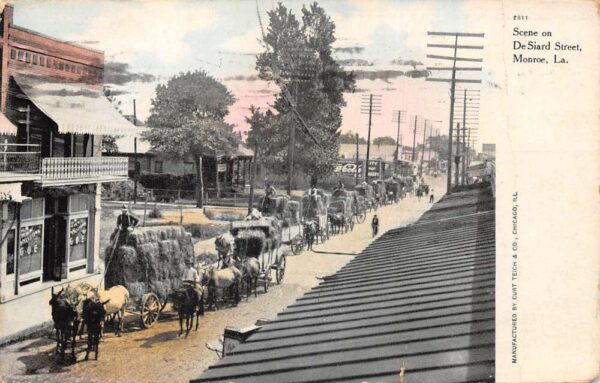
x=109 y=143
x=187 y=119
x=350 y=138
x=299 y=54
x=386 y=140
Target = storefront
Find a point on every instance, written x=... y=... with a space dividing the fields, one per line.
x=46 y=240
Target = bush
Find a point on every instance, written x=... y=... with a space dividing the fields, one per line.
x=155 y=212
x=215 y=215
x=203 y=232
x=121 y=191
x=168 y=181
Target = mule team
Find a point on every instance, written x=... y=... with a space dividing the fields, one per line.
x=86 y=307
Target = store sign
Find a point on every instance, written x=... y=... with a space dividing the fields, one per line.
x=78 y=239
x=348 y=168
x=222 y=168
x=30 y=249
x=374 y=168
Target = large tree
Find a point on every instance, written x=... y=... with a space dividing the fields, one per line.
x=187 y=119
x=298 y=55
x=350 y=138
x=385 y=140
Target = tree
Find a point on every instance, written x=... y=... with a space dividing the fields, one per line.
x=350 y=138
x=109 y=143
x=386 y=140
x=299 y=54
x=187 y=119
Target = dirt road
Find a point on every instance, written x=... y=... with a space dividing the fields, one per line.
x=159 y=355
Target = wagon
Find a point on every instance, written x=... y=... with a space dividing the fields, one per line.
x=288 y=212
x=392 y=189
x=261 y=239
x=366 y=200
x=149 y=262
x=314 y=208
x=342 y=207
x=380 y=192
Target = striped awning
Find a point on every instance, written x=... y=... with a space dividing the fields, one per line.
x=75 y=108
x=7 y=127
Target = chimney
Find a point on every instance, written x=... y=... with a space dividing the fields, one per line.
x=7 y=17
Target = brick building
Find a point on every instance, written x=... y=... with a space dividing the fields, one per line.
x=53 y=116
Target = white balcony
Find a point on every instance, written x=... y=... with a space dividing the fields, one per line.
x=83 y=170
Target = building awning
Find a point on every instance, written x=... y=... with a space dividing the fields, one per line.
x=7 y=127
x=75 y=108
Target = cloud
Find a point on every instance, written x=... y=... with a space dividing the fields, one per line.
x=350 y=50
x=241 y=78
x=355 y=62
x=248 y=43
x=388 y=74
x=118 y=73
x=127 y=29
x=412 y=63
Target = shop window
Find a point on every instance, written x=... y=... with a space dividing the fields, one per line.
x=27 y=57
x=30 y=249
x=78 y=70
x=10 y=252
x=158 y=166
x=13 y=54
x=42 y=61
x=78 y=239
x=79 y=203
x=21 y=55
x=35 y=60
x=33 y=208
x=48 y=63
x=67 y=69
x=61 y=65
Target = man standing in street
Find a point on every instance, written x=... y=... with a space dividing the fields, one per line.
x=375 y=225
x=431 y=196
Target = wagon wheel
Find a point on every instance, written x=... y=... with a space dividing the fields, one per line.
x=361 y=216
x=280 y=273
x=150 y=309
x=297 y=244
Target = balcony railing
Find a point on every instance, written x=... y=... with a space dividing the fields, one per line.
x=19 y=158
x=75 y=168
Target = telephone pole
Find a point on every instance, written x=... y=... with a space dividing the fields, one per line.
x=357 y=161
x=399 y=117
x=412 y=158
x=423 y=149
x=371 y=105
x=470 y=111
x=453 y=80
x=135 y=158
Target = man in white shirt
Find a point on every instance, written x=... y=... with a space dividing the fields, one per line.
x=191 y=278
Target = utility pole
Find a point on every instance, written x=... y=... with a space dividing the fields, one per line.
x=357 y=161
x=399 y=118
x=429 y=151
x=423 y=149
x=412 y=158
x=135 y=158
x=453 y=80
x=457 y=156
x=373 y=107
x=464 y=147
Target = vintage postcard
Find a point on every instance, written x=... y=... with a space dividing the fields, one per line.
x=299 y=191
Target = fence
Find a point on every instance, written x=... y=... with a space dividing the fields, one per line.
x=211 y=197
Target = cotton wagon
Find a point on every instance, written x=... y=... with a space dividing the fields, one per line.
x=287 y=211
x=149 y=262
x=261 y=239
x=314 y=208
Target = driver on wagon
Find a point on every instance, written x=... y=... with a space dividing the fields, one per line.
x=191 y=278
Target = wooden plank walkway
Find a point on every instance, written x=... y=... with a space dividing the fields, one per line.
x=420 y=296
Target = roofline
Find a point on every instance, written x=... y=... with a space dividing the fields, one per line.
x=23 y=29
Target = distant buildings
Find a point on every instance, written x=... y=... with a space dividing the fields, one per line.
x=488 y=150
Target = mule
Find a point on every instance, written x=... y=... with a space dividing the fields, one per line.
x=117 y=298
x=94 y=314
x=64 y=315
x=187 y=301
x=250 y=269
x=228 y=279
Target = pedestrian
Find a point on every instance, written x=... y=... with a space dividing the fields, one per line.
x=375 y=225
x=125 y=223
x=431 y=196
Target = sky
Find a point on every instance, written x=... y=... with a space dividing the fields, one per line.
x=147 y=42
